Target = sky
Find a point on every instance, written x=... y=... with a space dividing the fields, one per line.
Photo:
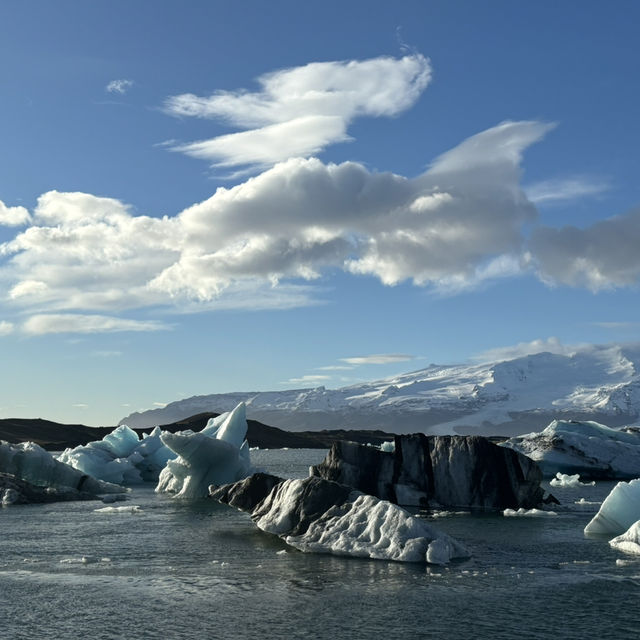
x=208 y=197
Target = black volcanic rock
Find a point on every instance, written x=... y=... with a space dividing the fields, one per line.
x=438 y=471
x=16 y=491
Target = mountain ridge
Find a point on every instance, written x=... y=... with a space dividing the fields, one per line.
x=504 y=397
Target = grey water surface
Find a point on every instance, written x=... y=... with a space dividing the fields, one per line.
x=202 y=570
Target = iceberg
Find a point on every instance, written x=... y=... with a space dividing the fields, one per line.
x=320 y=516
x=566 y=481
x=219 y=454
x=121 y=457
x=629 y=541
x=620 y=509
x=29 y=462
x=527 y=513
x=589 y=449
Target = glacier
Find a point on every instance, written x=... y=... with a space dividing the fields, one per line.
x=586 y=448
x=501 y=397
x=219 y=454
x=619 y=510
x=121 y=457
x=315 y=515
x=29 y=462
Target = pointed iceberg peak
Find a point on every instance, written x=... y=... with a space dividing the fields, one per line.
x=234 y=428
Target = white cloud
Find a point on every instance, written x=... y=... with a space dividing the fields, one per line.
x=13 y=216
x=106 y=354
x=550 y=191
x=40 y=324
x=617 y=325
x=548 y=345
x=301 y=110
x=380 y=358
x=335 y=367
x=119 y=86
x=80 y=405
x=6 y=328
x=308 y=379
x=602 y=256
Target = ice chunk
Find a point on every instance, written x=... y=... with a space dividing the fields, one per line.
x=629 y=541
x=30 y=462
x=218 y=454
x=134 y=508
x=121 y=457
x=566 y=481
x=620 y=509
x=528 y=513
x=388 y=445
x=587 y=448
x=320 y=516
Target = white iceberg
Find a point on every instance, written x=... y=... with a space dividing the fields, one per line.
x=219 y=454
x=121 y=457
x=566 y=481
x=30 y=462
x=320 y=516
x=620 y=509
x=587 y=448
x=527 y=513
x=629 y=541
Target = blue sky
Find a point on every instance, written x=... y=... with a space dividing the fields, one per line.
x=208 y=196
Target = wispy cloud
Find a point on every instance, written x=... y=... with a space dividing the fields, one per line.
x=335 y=367
x=309 y=379
x=380 y=358
x=106 y=354
x=548 y=345
x=80 y=405
x=617 y=325
x=6 y=328
x=559 y=190
x=119 y=86
x=301 y=110
x=41 y=324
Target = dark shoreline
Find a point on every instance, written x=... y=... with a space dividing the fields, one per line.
x=55 y=436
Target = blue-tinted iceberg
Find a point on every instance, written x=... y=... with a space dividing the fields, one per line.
x=121 y=457
x=29 y=462
x=219 y=454
x=620 y=509
x=589 y=449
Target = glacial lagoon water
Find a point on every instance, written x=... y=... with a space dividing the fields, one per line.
x=202 y=570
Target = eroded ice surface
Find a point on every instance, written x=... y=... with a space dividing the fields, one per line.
x=620 y=509
x=30 y=462
x=219 y=454
x=527 y=513
x=121 y=457
x=629 y=541
x=589 y=449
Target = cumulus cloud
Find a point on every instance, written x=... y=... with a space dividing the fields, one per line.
x=602 y=256
x=380 y=358
x=119 y=86
x=255 y=245
x=40 y=324
x=299 y=111
x=13 y=216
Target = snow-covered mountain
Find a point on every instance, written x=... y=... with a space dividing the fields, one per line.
x=508 y=397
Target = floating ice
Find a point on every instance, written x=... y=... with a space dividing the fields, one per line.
x=320 y=516
x=134 y=508
x=219 y=454
x=629 y=541
x=121 y=457
x=528 y=513
x=566 y=481
x=388 y=445
x=29 y=462
x=587 y=448
x=620 y=509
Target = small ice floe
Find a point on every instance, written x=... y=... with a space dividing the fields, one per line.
x=388 y=445
x=528 y=513
x=80 y=560
x=134 y=508
x=567 y=481
x=585 y=501
x=629 y=541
